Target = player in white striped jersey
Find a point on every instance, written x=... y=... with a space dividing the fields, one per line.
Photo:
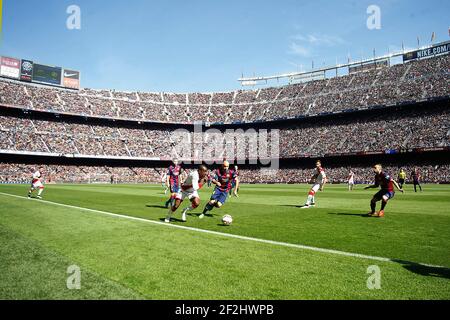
x=189 y=189
x=351 y=180
x=319 y=179
x=36 y=183
x=163 y=182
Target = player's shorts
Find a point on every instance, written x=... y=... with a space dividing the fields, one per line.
x=416 y=182
x=37 y=185
x=315 y=187
x=175 y=188
x=181 y=195
x=384 y=193
x=351 y=182
x=219 y=196
x=402 y=181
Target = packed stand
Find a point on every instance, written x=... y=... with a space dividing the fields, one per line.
x=401 y=130
x=21 y=173
x=411 y=81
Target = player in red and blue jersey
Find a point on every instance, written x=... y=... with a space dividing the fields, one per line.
x=223 y=179
x=387 y=192
x=209 y=179
x=173 y=181
x=234 y=190
x=415 y=176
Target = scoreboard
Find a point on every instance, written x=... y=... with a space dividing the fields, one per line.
x=47 y=74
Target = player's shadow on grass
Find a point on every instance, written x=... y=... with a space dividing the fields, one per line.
x=193 y=214
x=438 y=272
x=364 y=215
x=292 y=205
x=172 y=219
x=156 y=206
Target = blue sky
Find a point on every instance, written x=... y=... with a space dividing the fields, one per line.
x=205 y=45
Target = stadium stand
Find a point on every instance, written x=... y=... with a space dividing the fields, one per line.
x=20 y=173
x=356 y=125
x=412 y=81
x=374 y=132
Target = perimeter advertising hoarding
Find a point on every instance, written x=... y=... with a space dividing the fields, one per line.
x=429 y=52
x=26 y=70
x=47 y=74
x=10 y=67
x=71 y=79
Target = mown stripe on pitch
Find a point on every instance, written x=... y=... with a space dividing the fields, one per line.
x=229 y=235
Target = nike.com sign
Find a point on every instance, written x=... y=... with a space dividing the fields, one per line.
x=71 y=79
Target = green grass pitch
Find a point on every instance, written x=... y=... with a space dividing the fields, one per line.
x=122 y=258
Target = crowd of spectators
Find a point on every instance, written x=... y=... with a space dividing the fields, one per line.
x=401 y=130
x=362 y=175
x=397 y=131
x=412 y=81
x=21 y=173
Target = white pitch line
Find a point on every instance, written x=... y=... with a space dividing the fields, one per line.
x=229 y=235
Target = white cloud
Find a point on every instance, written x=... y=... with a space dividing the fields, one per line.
x=303 y=45
x=295 y=48
x=319 y=39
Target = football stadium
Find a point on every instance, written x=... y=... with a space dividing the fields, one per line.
x=326 y=183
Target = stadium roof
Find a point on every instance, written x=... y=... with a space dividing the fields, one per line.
x=253 y=80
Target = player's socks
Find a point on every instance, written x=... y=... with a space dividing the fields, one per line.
x=207 y=208
x=185 y=210
x=169 y=215
x=310 y=199
x=373 y=206
x=383 y=205
x=183 y=215
x=40 y=192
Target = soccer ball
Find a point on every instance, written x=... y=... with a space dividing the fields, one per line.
x=227 y=219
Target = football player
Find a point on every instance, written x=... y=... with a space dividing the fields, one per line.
x=351 y=181
x=37 y=183
x=222 y=178
x=189 y=189
x=386 y=193
x=234 y=190
x=173 y=181
x=319 y=179
x=415 y=176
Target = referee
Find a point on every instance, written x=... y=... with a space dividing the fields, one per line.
x=401 y=178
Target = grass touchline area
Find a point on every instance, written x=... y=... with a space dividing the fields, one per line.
x=298 y=246
x=116 y=235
